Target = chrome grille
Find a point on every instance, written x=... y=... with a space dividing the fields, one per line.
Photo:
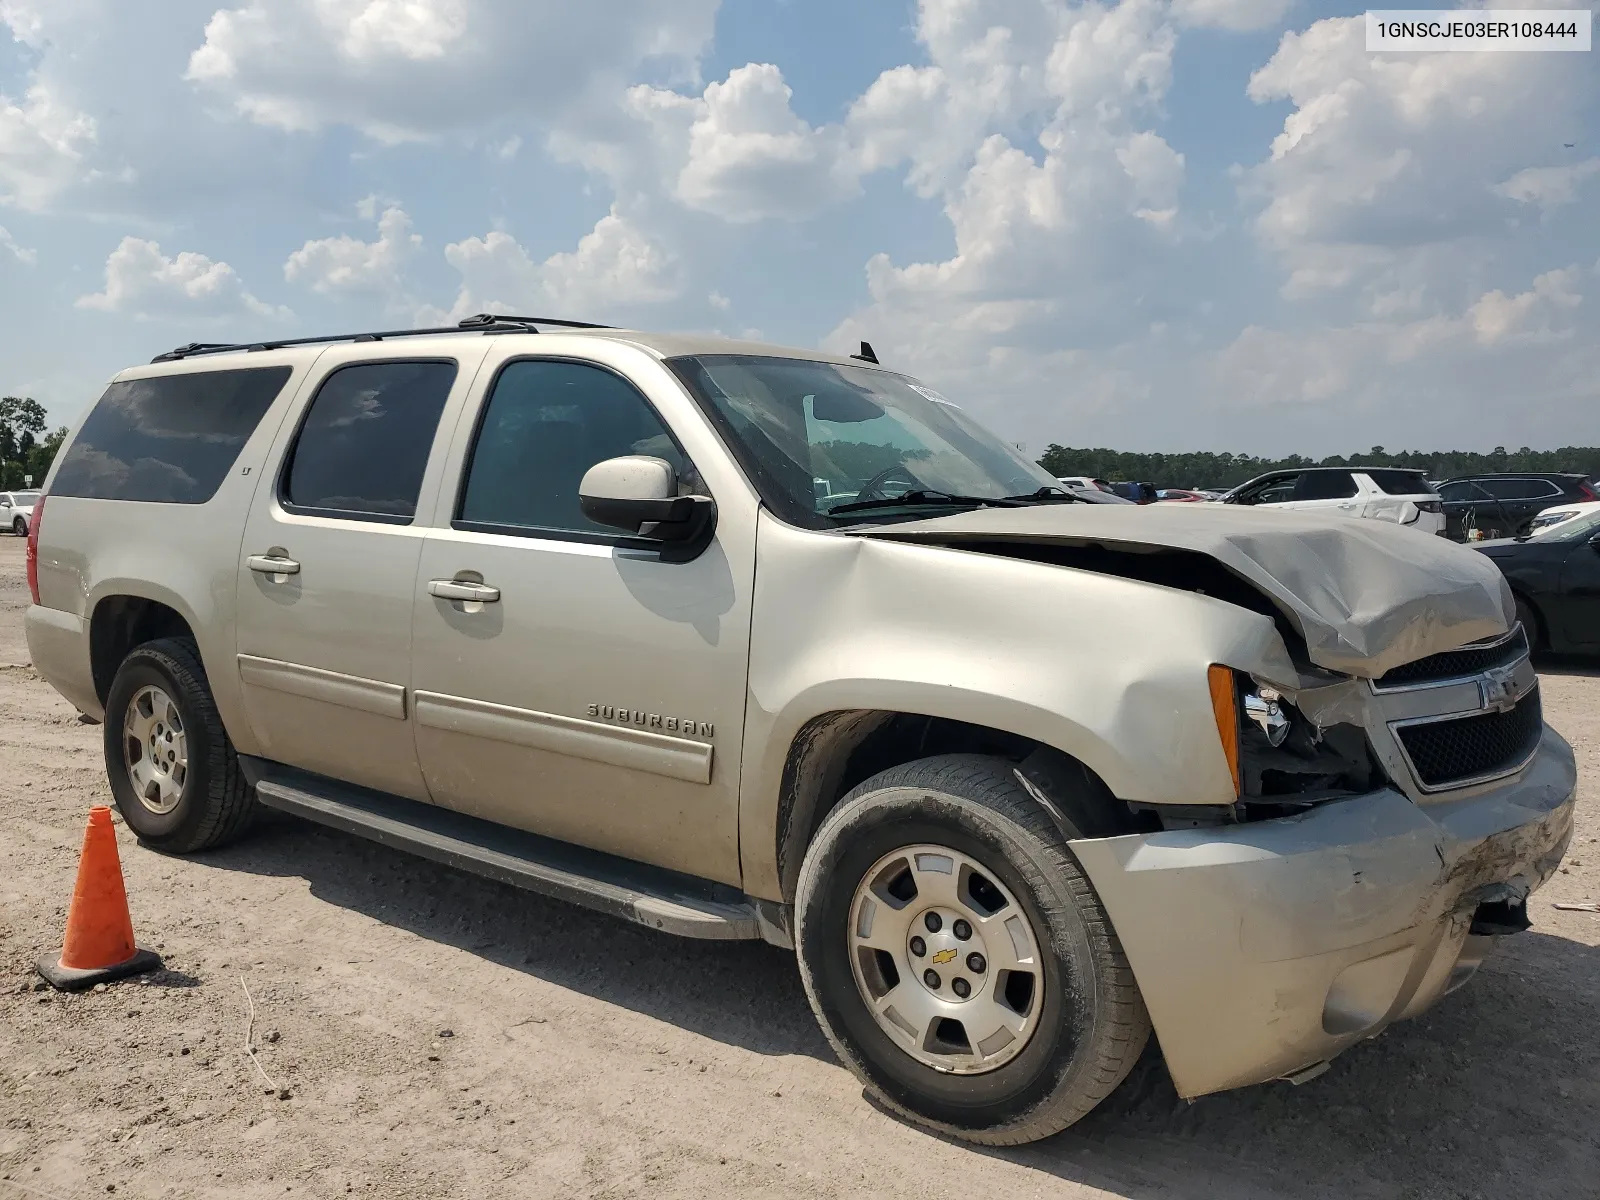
x=1456 y=664
x=1465 y=749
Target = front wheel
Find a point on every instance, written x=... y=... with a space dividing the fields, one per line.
x=19 y=527
x=173 y=771
x=959 y=960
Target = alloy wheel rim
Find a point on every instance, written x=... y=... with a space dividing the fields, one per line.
x=155 y=749
x=946 y=960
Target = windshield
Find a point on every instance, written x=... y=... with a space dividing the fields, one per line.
x=815 y=436
x=26 y=498
x=1576 y=530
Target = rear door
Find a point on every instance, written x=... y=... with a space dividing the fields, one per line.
x=1328 y=491
x=329 y=561
x=1516 y=502
x=1461 y=499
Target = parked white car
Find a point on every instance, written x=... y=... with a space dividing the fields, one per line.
x=16 y=511
x=1380 y=493
x=1560 y=514
x=1083 y=483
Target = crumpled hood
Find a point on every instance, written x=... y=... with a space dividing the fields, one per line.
x=1365 y=595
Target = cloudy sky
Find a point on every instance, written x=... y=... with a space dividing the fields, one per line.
x=1155 y=224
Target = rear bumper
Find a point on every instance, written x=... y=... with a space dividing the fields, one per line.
x=58 y=643
x=1266 y=948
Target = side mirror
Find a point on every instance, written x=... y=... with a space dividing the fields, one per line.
x=638 y=494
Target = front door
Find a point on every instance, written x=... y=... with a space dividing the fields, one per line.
x=565 y=683
x=329 y=561
x=1577 y=609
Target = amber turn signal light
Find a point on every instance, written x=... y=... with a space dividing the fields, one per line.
x=1226 y=708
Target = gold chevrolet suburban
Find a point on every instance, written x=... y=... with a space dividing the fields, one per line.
x=744 y=642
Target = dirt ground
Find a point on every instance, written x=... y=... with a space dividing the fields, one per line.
x=439 y=1035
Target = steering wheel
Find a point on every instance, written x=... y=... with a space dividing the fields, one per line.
x=872 y=489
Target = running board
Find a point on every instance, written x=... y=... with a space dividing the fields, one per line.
x=652 y=896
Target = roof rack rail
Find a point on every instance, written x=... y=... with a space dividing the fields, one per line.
x=481 y=323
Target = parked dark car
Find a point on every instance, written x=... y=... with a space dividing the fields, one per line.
x=1139 y=493
x=1555 y=577
x=1502 y=505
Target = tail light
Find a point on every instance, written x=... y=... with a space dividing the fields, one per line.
x=33 y=549
x=1588 y=492
x=1430 y=506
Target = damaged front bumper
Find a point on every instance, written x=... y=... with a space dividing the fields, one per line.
x=1264 y=949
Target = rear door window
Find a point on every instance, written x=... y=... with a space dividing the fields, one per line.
x=365 y=441
x=167 y=439
x=1326 y=485
x=1520 y=489
x=1400 y=483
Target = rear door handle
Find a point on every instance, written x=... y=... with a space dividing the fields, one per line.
x=272 y=564
x=455 y=589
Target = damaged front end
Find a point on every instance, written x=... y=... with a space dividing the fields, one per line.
x=1397 y=796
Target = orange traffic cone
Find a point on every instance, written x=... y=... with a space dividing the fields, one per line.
x=99 y=943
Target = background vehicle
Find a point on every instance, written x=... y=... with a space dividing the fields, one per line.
x=1379 y=493
x=16 y=511
x=1504 y=505
x=1083 y=482
x=1181 y=496
x=1555 y=577
x=1139 y=493
x=567 y=607
x=1096 y=496
x=1560 y=514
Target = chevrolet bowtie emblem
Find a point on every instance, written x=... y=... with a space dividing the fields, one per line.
x=1498 y=687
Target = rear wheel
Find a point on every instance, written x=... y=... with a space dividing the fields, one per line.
x=173 y=771
x=958 y=958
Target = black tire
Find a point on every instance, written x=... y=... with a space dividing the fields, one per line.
x=216 y=801
x=19 y=527
x=1532 y=622
x=1093 y=1024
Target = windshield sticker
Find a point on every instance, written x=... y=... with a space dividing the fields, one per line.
x=929 y=394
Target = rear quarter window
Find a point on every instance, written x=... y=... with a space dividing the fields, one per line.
x=1400 y=483
x=167 y=439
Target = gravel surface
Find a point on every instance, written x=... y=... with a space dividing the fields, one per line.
x=421 y=1032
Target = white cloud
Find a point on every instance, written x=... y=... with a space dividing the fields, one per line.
x=344 y=265
x=1531 y=316
x=403 y=70
x=1051 y=249
x=1239 y=15
x=42 y=145
x=1386 y=169
x=143 y=282
x=1548 y=187
x=21 y=253
x=749 y=157
x=615 y=266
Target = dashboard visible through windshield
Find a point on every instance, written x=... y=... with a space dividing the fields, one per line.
x=828 y=444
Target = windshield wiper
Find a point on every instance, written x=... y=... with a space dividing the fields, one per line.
x=1049 y=493
x=929 y=496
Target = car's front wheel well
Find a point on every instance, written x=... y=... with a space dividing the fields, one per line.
x=1532 y=618
x=834 y=752
x=121 y=623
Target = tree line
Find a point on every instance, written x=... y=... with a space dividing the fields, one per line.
x=1207 y=470
x=25 y=449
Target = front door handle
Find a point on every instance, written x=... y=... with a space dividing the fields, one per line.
x=272 y=564
x=455 y=589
